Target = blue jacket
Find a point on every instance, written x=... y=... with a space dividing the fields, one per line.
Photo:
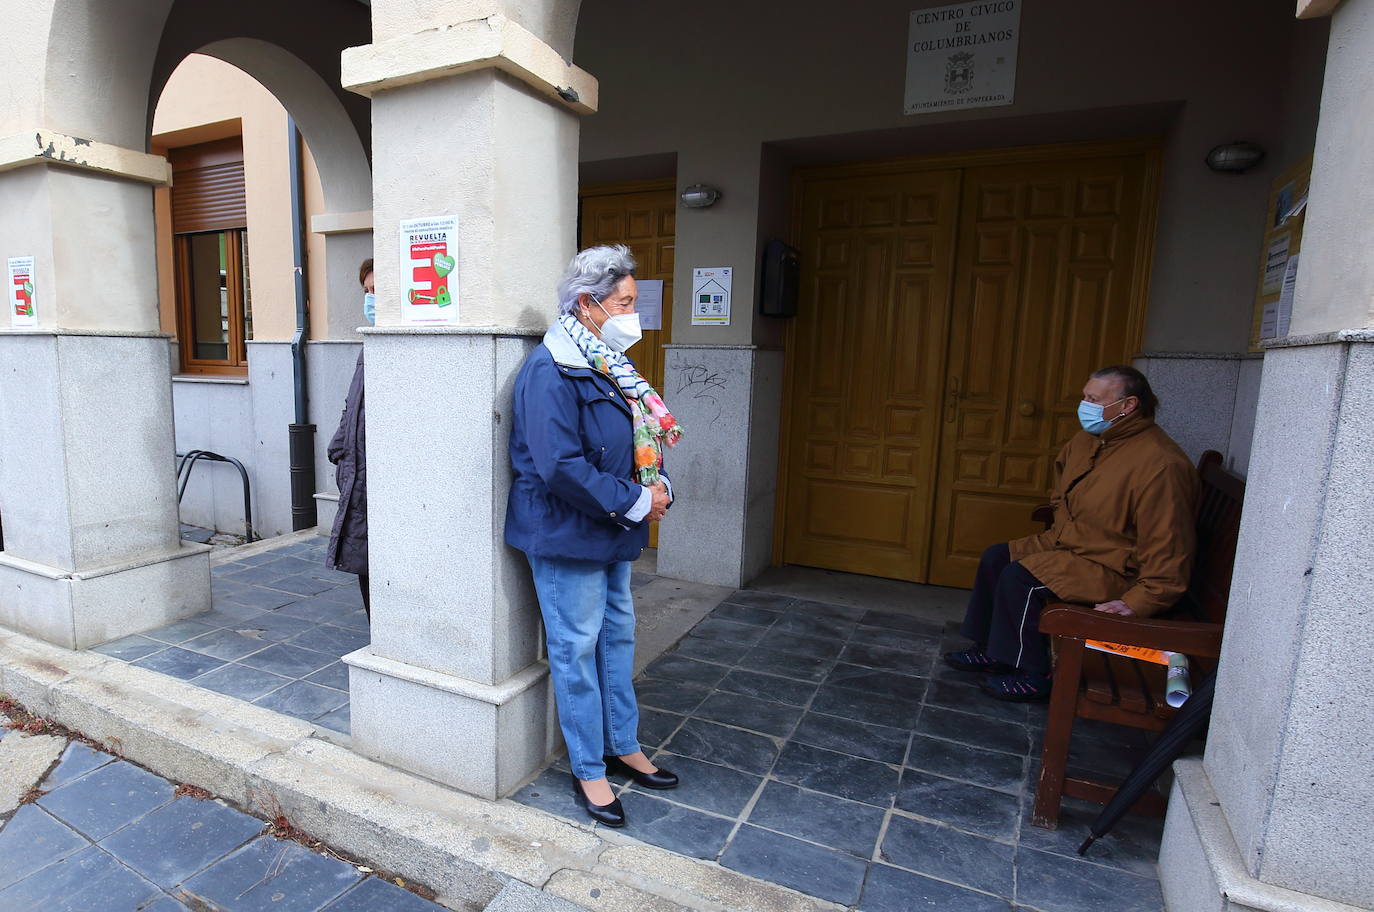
x=572 y=448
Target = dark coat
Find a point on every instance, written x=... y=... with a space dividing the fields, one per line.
x=348 y=451
x=572 y=449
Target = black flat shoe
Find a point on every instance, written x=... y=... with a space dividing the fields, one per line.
x=661 y=780
x=611 y=815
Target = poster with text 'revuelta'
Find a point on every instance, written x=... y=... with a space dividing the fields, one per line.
x=23 y=311
x=429 y=270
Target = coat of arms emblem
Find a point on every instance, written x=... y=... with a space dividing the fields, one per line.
x=958 y=73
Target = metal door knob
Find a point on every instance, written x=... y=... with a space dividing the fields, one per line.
x=1026 y=408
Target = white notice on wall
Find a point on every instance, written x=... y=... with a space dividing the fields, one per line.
x=429 y=269
x=962 y=56
x=1284 y=318
x=23 y=311
x=1275 y=262
x=711 y=296
x=650 y=304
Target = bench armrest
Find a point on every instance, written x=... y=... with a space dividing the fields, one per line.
x=1187 y=637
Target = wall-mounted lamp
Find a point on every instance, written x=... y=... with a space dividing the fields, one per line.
x=1235 y=157
x=699 y=196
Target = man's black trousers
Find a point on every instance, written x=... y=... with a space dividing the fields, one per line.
x=1003 y=616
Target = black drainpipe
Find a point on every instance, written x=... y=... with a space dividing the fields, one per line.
x=303 y=513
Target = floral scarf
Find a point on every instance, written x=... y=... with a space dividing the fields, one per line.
x=654 y=425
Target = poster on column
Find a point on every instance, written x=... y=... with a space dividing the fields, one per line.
x=21 y=293
x=711 y=295
x=962 y=56
x=429 y=270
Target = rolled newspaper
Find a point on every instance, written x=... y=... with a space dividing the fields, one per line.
x=1179 y=687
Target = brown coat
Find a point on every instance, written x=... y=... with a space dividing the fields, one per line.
x=1124 y=520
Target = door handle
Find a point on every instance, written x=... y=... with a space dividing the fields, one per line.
x=952 y=400
x=1026 y=408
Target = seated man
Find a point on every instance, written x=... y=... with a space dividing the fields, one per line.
x=1122 y=540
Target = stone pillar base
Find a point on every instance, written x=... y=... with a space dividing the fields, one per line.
x=77 y=609
x=1200 y=867
x=483 y=739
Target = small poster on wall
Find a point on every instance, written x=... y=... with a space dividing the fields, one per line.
x=962 y=56
x=650 y=304
x=711 y=295
x=429 y=269
x=23 y=310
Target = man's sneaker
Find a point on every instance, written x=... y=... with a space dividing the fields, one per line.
x=1021 y=687
x=975 y=660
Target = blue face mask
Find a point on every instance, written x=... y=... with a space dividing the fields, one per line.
x=370 y=308
x=1090 y=416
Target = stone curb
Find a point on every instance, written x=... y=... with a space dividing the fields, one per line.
x=467 y=849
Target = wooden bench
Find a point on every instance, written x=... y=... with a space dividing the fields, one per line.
x=1097 y=685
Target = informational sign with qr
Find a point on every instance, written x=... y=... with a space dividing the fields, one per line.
x=711 y=296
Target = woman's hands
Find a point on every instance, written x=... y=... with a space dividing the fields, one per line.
x=659 y=508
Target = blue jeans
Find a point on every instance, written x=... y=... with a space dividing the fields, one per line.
x=589 y=619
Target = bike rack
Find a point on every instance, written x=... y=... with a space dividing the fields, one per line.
x=188 y=462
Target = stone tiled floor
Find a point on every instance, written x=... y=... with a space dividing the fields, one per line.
x=280 y=622
x=828 y=749
x=107 y=835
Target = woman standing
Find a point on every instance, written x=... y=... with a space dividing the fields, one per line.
x=587 y=448
x=348 y=451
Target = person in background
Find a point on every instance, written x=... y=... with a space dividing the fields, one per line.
x=348 y=452
x=1125 y=500
x=586 y=443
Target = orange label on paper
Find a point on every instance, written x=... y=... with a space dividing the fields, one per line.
x=1158 y=656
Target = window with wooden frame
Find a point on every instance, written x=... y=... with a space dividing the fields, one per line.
x=210 y=226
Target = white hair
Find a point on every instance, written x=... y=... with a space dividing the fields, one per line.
x=595 y=271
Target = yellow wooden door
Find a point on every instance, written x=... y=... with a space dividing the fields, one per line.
x=865 y=371
x=642 y=217
x=1048 y=287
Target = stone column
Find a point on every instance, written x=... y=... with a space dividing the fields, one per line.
x=728 y=398
x=1280 y=813
x=87 y=473
x=478 y=119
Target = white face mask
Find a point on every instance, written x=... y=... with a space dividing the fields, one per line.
x=621 y=331
x=370 y=308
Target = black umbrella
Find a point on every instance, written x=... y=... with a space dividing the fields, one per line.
x=1186 y=724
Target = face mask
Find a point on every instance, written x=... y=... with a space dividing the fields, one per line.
x=621 y=331
x=370 y=308
x=1090 y=416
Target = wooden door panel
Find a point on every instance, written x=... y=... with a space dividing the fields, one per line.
x=643 y=220
x=1044 y=293
x=865 y=365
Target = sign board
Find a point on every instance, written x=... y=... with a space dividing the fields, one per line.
x=962 y=56
x=711 y=295
x=429 y=270
x=21 y=292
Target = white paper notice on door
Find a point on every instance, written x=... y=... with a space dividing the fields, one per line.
x=429 y=269
x=23 y=311
x=711 y=295
x=650 y=304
